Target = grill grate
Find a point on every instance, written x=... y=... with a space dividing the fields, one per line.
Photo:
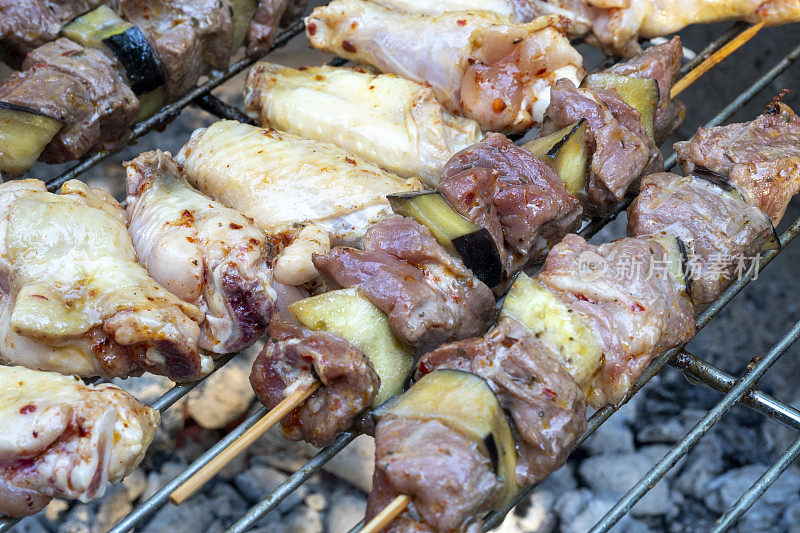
x=740 y=390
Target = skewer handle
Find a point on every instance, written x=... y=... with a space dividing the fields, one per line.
x=210 y=469
x=715 y=58
x=388 y=514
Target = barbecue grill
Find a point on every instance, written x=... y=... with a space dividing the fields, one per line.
x=740 y=389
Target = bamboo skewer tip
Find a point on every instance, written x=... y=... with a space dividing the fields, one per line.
x=210 y=469
x=386 y=515
x=715 y=58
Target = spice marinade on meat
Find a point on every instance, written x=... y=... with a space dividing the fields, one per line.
x=630 y=317
x=428 y=295
x=88 y=81
x=201 y=251
x=64 y=439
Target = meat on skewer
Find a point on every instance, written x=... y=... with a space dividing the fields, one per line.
x=603 y=312
x=201 y=251
x=616 y=26
x=285 y=184
x=393 y=122
x=740 y=178
x=480 y=64
x=27 y=24
x=64 y=439
x=85 y=89
x=74 y=298
x=429 y=296
x=622 y=126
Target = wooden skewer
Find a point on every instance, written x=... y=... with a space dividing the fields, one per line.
x=388 y=514
x=397 y=505
x=208 y=471
x=715 y=58
x=202 y=476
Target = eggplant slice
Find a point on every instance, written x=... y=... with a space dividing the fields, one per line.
x=24 y=134
x=456 y=233
x=348 y=313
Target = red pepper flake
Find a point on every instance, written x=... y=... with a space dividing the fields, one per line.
x=233 y=225
x=550 y=394
x=637 y=307
x=350 y=160
x=347 y=46
x=30 y=408
x=311 y=28
x=498 y=105
x=461 y=22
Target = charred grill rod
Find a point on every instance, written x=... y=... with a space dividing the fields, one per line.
x=758 y=488
x=703 y=426
x=698 y=370
x=296 y=479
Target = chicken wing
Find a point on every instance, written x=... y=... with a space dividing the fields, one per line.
x=201 y=251
x=480 y=64
x=615 y=25
x=393 y=122
x=284 y=183
x=63 y=439
x=73 y=298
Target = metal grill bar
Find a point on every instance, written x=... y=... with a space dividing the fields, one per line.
x=494 y=519
x=696 y=369
x=170 y=112
x=758 y=488
x=157 y=500
x=202 y=97
x=706 y=423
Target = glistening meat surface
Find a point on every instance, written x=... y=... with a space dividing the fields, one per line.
x=514 y=195
x=82 y=87
x=480 y=64
x=75 y=300
x=449 y=480
x=63 y=439
x=429 y=296
x=761 y=157
x=723 y=233
x=625 y=292
x=297 y=357
x=201 y=251
x=546 y=405
x=622 y=151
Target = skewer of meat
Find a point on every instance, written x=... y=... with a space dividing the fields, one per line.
x=64 y=439
x=105 y=71
x=480 y=64
x=397 y=289
x=75 y=300
x=615 y=27
x=600 y=313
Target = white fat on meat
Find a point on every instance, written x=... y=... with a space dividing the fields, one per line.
x=64 y=439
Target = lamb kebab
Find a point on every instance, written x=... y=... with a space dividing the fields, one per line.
x=595 y=315
x=107 y=70
x=739 y=180
x=480 y=64
x=507 y=206
x=75 y=300
x=64 y=439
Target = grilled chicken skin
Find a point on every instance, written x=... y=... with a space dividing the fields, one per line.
x=616 y=25
x=64 y=439
x=393 y=122
x=201 y=251
x=480 y=64
x=303 y=193
x=74 y=299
